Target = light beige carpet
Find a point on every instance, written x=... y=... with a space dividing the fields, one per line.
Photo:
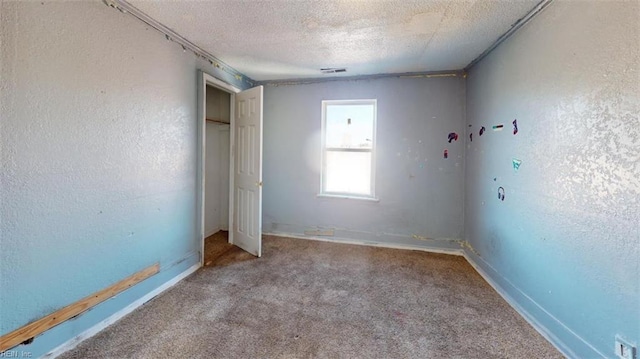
x=307 y=299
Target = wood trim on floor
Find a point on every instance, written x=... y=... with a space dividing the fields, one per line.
x=73 y=342
x=34 y=329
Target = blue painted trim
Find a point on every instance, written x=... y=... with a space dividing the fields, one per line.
x=562 y=337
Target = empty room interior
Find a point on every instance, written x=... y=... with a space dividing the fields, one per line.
x=320 y=179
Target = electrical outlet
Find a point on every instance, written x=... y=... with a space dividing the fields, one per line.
x=624 y=349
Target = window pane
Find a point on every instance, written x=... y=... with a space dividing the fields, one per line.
x=349 y=126
x=348 y=172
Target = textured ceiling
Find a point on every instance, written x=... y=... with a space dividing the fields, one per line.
x=270 y=40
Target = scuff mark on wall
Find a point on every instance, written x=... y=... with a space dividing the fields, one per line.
x=466 y=245
x=320 y=232
x=415 y=155
x=423 y=238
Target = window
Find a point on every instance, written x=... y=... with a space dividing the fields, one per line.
x=348 y=148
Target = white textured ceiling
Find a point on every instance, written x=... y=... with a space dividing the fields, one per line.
x=278 y=39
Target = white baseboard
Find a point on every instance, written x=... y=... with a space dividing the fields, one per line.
x=73 y=342
x=455 y=251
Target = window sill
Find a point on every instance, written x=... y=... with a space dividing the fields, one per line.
x=344 y=196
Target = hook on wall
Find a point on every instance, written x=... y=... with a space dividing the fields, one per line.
x=501 y=193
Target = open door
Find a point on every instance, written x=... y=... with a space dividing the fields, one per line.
x=246 y=211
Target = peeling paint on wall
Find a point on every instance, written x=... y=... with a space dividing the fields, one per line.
x=413 y=115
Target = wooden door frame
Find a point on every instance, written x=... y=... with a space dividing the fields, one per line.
x=204 y=80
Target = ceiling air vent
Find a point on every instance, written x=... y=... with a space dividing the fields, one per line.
x=332 y=70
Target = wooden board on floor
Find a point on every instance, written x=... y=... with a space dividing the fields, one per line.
x=33 y=329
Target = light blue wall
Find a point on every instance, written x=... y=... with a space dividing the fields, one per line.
x=565 y=241
x=420 y=193
x=98 y=153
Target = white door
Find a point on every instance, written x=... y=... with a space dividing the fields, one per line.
x=247 y=170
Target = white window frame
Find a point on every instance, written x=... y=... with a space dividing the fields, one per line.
x=323 y=150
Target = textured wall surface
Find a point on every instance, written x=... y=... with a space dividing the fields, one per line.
x=420 y=192
x=98 y=154
x=565 y=241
